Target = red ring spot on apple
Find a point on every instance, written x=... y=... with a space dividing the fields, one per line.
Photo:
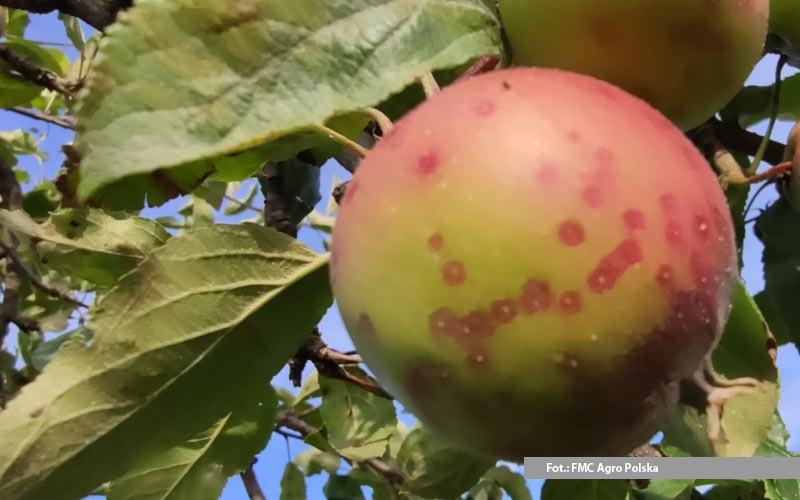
x=702 y=227
x=477 y=324
x=443 y=322
x=485 y=108
x=536 y=296
x=547 y=174
x=427 y=164
x=365 y=324
x=664 y=276
x=593 y=197
x=436 y=242
x=574 y=136
x=570 y=302
x=672 y=231
x=669 y=202
x=571 y=233
x=504 y=310
x=454 y=273
x=605 y=157
x=634 y=219
x=614 y=265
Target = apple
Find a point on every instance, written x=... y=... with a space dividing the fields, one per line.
x=784 y=22
x=531 y=261
x=687 y=58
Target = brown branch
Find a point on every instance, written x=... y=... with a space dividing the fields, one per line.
x=35 y=74
x=733 y=137
x=36 y=281
x=11 y=194
x=251 y=485
x=61 y=121
x=97 y=13
x=289 y=420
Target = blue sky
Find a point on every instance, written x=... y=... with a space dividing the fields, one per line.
x=271 y=462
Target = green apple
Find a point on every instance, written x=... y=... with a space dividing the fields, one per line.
x=784 y=22
x=531 y=261
x=687 y=58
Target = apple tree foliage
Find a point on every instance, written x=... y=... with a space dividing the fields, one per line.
x=139 y=353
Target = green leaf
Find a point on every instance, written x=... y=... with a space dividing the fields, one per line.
x=19 y=142
x=779 y=230
x=315 y=461
x=743 y=351
x=754 y=104
x=585 y=489
x=46 y=350
x=176 y=344
x=513 y=483
x=436 y=469
x=17 y=23
x=72 y=26
x=199 y=80
x=199 y=467
x=485 y=490
x=727 y=490
x=41 y=200
x=782 y=489
x=358 y=423
x=666 y=489
x=774 y=444
x=293 y=483
x=89 y=244
x=342 y=488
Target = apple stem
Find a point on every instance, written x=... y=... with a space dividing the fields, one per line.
x=775 y=108
x=341 y=139
x=719 y=391
x=384 y=122
x=429 y=84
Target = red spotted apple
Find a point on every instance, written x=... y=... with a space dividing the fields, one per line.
x=531 y=261
x=688 y=58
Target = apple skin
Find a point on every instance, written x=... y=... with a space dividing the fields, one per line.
x=531 y=261
x=687 y=58
x=784 y=21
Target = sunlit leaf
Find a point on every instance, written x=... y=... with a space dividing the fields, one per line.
x=177 y=344
x=199 y=80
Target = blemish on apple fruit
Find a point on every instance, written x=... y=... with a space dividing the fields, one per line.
x=485 y=108
x=454 y=273
x=443 y=322
x=669 y=202
x=570 y=302
x=477 y=324
x=365 y=324
x=571 y=233
x=536 y=296
x=614 y=265
x=701 y=226
x=504 y=310
x=664 y=276
x=436 y=242
x=605 y=159
x=427 y=163
x=574 y=136
x=634 y=219
x=547 y=174
x=593 y=197
x=672 y=231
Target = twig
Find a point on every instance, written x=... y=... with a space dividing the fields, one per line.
x=384 y=123
x=341 y=139
x=289 y=420
x=483 y=64
x=12 y=254
x=11 y=194
x=97 y=13
x=35 y=74
x=61 y=121
x=251 y=485
x=328 y=363
x=773 y=117
x=429 y=84
x=732 y=136
x=240 y=203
